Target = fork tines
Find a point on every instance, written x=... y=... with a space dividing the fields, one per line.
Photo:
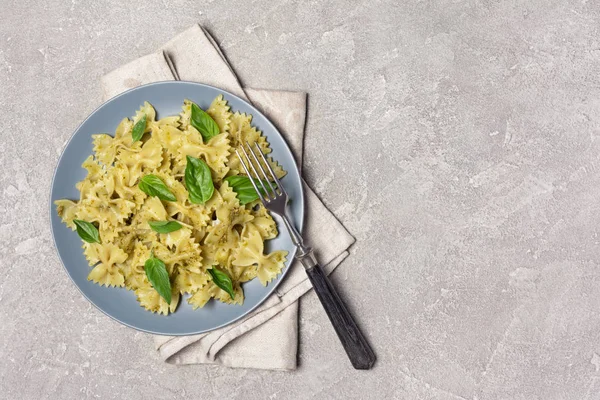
x=267 y=180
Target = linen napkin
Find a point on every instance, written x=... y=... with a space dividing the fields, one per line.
x=268 y=337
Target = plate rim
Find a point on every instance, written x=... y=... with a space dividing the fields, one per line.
x=299 y=224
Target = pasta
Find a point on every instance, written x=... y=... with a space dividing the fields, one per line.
x=219 y=235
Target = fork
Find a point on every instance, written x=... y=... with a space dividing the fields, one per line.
x=274 y=197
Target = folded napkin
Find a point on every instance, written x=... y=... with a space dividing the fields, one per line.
x=268 y=337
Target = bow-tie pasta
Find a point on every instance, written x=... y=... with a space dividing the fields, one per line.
x=220 y=233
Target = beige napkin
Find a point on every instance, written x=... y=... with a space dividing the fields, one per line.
x=268 y=337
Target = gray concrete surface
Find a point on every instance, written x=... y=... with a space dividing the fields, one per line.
x=458 y=140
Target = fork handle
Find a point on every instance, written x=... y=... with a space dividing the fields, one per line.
x=360 y=353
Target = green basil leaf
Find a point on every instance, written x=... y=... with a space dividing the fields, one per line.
x=157 y=274
x=87 y=231
x=204 y=123
x=198 y=180
x=164 y=226
x=242 y=186
x=222 y=280
x=138 y=129
x=152 y=185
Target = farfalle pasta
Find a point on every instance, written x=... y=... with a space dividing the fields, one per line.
x=214 y=246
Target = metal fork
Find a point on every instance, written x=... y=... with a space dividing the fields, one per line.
x=274 y=198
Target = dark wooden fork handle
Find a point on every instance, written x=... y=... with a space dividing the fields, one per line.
x=360 y=353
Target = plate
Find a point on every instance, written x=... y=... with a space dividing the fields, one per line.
x=119 y=303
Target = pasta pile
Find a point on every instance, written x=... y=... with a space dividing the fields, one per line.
x=221 y=232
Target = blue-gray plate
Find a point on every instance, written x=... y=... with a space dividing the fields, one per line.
x=119 y=303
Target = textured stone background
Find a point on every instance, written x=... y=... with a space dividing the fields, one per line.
x=458 y=140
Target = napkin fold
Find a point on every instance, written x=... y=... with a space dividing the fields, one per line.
x=267 y=338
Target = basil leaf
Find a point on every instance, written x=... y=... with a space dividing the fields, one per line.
x=198 y=180
x=138 y=129
x=222 y=280
x=157 y=274
x=152 y=185
x=242 y=186
x=204 y=123
x=164 y=226
x=87 y=231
